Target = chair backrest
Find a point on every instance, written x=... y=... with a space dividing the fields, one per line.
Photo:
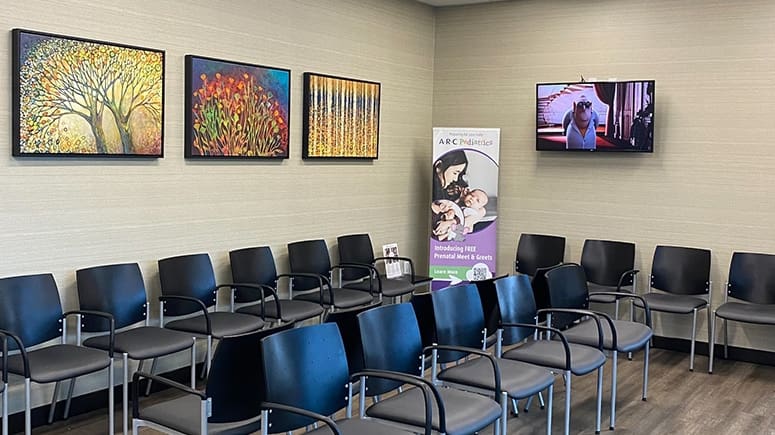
x=680 y=270
x=355 y=248
x=236 y=382
x=307 y=368
x=253 y=266
x=347 y=321
x=459 y=319
x=391 y=341
x=489 y=298
x=187 y=275
x=117 y=289
x=516 y=304
x=538 y=250
x=30 y=308
x=752 y=277
x=423 y=311
x=605 y=261
x=308 y=256
x=567 y=289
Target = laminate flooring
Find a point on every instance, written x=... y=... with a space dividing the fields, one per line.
x=739 y=398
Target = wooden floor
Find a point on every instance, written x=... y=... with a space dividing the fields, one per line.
x=739 y=398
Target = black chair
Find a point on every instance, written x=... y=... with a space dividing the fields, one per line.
x=519 y=323
x=347 y=322
x=752 y=283
x=119 y=290
x=309 y=372
x=357 y=249
x=683 y=277
x=610 y=267
x=423 y=311
x=31 y=314
x=257 y=266
x=187 y=287
x=311 y=257
x=537 y=251
x=568 y=288
x=230 y=402
x=460 y=322
x=391 y=341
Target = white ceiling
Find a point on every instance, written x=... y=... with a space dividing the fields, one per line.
x=441 y=3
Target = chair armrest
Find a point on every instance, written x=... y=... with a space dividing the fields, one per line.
x=591 y=314
x=559 y=333
x=423 y=384
x=367 y=267
x=496 y=370
x=301 y=411
x=176 y=385
x=22 y=351
x=109 y=317
x=374 y=273
x=321 y=281
x=407 y=259
x=632 y=273
x=202 y=306
x=261 y=288
x=642 y=300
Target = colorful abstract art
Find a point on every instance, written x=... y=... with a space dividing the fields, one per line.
x=78 y=97
x=236 y=110
x=341 y=117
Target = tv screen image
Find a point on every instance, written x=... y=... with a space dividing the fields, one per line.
x=595 y=116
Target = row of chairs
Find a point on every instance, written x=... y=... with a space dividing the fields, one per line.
x=679 y=282
x=303 y=371
x=113 y=302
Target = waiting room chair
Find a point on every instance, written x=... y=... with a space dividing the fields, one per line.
x=31 y=314
x=309 y=372
x=538 y=250
x=519 y=323
x=188 y=287
x=311 y=257
x=460 y=322
x=257 y=266
x=230 y=402
x=568 y=288
x=357 y=249
x=118 y=289
x=683 y=277
x=391 y=341
x=751 y=285
x=610 y=267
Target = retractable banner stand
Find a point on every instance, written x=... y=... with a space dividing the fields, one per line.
x=463 y=224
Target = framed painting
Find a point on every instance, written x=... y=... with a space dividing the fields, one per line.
x=79 y=97
x=341 y=118
x=236 y=110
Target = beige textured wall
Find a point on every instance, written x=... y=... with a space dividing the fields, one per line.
x=61 y=215
x=710 y=181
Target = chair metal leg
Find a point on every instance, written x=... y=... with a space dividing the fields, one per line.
x=616 y=309
x=193 y=364
x=645 y=371
x=69 y=400
x=150 y=382
x=567 y=401
x=209 y=355
x=5 y=409
x=27 y=409
x=541 y=400
x=504 y=413
x=694 y=336
x=599 y=399
x=726 y=339
x=614 y=363
x=264 y=422
x=527 y=404
x=515 y=406
x=712 y=345
x=125 y=393
x=53 y=405
x=549 y=399
x=111 y=400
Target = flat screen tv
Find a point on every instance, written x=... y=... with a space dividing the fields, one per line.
x=605 y=116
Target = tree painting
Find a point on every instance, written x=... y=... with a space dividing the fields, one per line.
x=236 y=110
x=341 y=117
x=86 y=97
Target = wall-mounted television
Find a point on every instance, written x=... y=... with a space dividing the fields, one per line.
x=606 y=116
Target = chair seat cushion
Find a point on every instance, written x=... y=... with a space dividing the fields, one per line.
x=343 y=297
x=60 y=361
x=604 y=299
x=144 y=342
x=183 y=415
x=390 y=286
x=292 y=311
x=222 y=324
x=360 y=427
x=630 y=336
x=670 y=303
x=551 y=354
x=518 y=379
x=466 y=412
x=749 y=313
